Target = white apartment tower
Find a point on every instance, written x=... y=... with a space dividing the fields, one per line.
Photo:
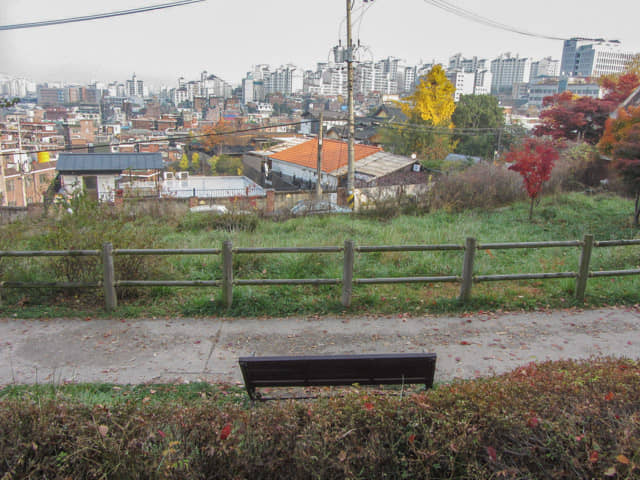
x=468 y=65
x=483 y=81
x=134 y=87
x=464 y=82
x=507 y=71
x=547 y=67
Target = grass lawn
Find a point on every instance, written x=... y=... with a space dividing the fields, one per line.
x=562 y=217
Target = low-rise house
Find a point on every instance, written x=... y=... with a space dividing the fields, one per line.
x=24 y=177
x=98 y=174
x=295 y=167
x=183 y=185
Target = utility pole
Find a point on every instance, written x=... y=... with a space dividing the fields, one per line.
x=350 y=121
x=319 y=167
x=22 y=167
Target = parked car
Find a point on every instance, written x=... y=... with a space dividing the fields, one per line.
x=220 y=209
x=311 y=207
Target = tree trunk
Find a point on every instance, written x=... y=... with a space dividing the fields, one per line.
x=636 y=213
x=531 y=208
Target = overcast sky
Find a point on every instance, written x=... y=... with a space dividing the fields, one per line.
x=228 y=37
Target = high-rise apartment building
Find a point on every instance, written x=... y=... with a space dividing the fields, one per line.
x=483 y=81
x=248 y=94
x=546 y=67
x=464 y=83
x=507 y=71
x=134 y=87
x=583 y=57
x=468 y=65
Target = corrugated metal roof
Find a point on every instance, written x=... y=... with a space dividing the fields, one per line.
x=379 y=164
x=108 y=162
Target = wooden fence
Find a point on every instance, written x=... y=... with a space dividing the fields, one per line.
x=466 y=279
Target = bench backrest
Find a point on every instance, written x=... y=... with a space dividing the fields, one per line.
x=322 y=370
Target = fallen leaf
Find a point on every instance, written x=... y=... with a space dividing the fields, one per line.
x=609 y=396
x=464 y=342
x=493 y=455
x=225 y=432
x=533 y=422
x=368 y=406
x=593 y=458
x=412 y=438
x=103 y=430
x=610 y=472
x=622 y=459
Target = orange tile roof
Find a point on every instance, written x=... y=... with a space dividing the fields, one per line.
x=334 y=154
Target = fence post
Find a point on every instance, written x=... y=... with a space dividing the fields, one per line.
x=467 y=269
x=227 y=272
x=583 y=272
x=109 y=277
x=347 y=272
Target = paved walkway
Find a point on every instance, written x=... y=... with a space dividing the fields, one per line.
x=183 y=349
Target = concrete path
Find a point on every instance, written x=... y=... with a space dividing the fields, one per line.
x=183 y=349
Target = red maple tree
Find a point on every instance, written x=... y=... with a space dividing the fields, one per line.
x=572 y=117
x=534 y=161
x=621 y=141
x=619 y=87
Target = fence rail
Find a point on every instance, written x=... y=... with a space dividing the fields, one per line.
x=227 y=281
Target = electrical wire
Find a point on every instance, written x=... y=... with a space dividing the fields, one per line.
x=365 y=9
x=469 y=131
x=46 y=23
x=474 y=17
x=67 y=148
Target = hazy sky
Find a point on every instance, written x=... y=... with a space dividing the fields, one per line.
x=228 y=37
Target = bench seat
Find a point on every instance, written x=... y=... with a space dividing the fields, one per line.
x=334 y=370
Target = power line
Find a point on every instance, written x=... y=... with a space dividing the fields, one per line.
x=468 y=131
x=46 y=23
x=67 y=148
x=474 y=17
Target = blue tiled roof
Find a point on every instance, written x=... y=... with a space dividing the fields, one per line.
x=108 y=162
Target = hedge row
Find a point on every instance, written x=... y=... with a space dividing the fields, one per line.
x=553 y=420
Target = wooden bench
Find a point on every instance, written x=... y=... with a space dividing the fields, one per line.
x=322 y=370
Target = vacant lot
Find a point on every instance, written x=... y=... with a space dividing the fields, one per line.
x=562 y=217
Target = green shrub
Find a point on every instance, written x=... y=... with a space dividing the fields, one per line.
x=228 y=222
x=87 y=227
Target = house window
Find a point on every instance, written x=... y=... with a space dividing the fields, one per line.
x=91 y=183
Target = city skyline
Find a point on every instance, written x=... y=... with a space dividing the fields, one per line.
x=226 y=39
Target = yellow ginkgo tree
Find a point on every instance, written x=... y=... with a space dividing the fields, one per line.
x=428 y=110
x=432 y=101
